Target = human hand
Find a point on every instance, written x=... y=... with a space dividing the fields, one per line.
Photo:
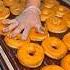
x=27 y=20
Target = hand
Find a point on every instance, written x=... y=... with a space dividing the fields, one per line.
x=26 y=21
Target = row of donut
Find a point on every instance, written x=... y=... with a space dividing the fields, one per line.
x=55 y=16
x=32 y=54
x=13 y=6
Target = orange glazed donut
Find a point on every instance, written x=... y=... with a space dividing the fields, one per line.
x=52 y=67
x=66 y=40
x=35 y=36
x=54 y=47
x=65 y=62
x=31 y=55
x=60 y=11
x=56 y=25
x=46 y=13
x=15 y=42
x=4 y=12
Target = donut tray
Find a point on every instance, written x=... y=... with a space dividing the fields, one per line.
x=10 y=54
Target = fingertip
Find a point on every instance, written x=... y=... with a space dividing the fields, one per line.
x=5 y=29
x=41 y=30
x=5 y=21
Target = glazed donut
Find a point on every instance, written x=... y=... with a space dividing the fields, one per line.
x=36 y=36
x=16 y=9
x=54 y=47
x=65 y=62
x=60 y=10
x=15 y=42
x=9 y=2
x=56 y=25
x=52 y=67
x=46 y=13
x=31 y=55
x=4 y=12
x=66 y=40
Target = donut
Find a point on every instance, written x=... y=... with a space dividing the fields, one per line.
x=66 y=40
x=67 y=19
x=4 y=12
x=15 y=42
x=56 y=25
x=43 y=17
x=31 y=55
x=54 y=47
x=36 y=36
x=50 y=3
x=46 y=13
x=16 y=9
x=65 y=62
x=60 y=10
x=9 y=2
x=52 y=67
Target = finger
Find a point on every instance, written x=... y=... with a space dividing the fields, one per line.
x=40 y=28
x=8 y=21
x=10 y=27
x=17 y=30
x=25 y=33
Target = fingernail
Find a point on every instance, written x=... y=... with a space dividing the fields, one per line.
x=5 y=30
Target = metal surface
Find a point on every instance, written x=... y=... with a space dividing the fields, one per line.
x=67 y=2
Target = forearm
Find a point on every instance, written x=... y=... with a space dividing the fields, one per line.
x=33 y=2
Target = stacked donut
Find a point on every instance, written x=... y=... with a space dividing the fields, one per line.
x=55 y=16
x=31 y=53
x=11 y=6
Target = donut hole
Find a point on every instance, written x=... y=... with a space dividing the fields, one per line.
x=32 y=53
x=54 y=47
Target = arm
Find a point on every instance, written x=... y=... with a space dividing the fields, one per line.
x=26 y=20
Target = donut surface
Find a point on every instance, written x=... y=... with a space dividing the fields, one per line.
x=54 y=47
x=31 y=55
x=56 y=25
x=15 y=42
x=4 y=12
x=66 y=40
x=36 y=36
x=65 y=63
